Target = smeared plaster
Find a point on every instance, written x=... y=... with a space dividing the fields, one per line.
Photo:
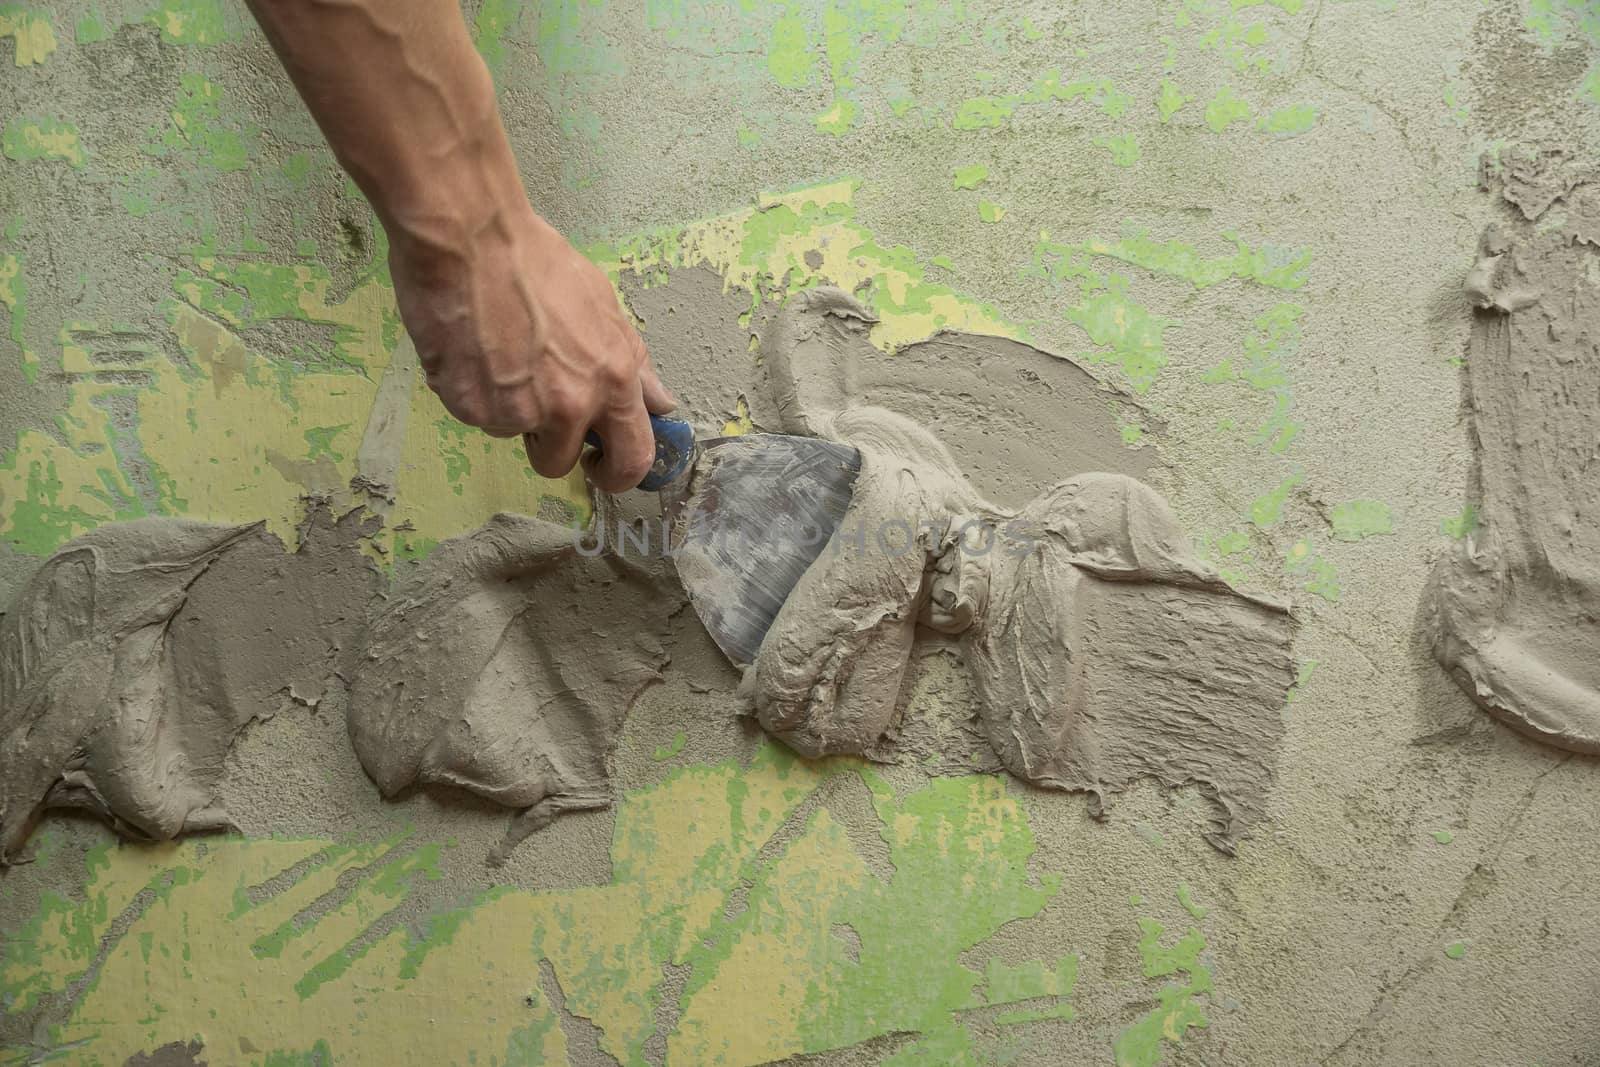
x=504 y=666
x=1513 y=610
x=1102 y=648
x=137 y=653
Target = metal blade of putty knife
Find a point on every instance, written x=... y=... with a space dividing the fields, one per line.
x=753 y=513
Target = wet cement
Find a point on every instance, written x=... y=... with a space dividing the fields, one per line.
x=1513 y=612
x=1101 y=647
x=138 y=652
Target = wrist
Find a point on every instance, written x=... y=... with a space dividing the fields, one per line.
x=452 y=194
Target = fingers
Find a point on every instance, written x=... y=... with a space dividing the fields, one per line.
x=629 y=446
x=658 y=399
x=553 y=448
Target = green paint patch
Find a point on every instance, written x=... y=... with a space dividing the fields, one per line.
x=671 y=748
x=30 y=29
x=194 y=22
x=1271 y=266
x=1005 y=984
x=1321 y=577
x=790 y=59
x=1127 y=334
x=1225 y=109
x=1169 y=101
x=1289 y=121
x=1555 y=22
x=319 y=441
x=1124 y=148
x=1135 y=336
x=1443 y=837
x=1267 y=509
x=41 y=521
x=1186 y=898
x=1302 y=678
x=989 y=211
x=970 y=177
x=1179 y=1008
x=496 y=19
x=42 y=138
x=838 y=119
x=453 y=450
x=1460 y=525
x=90 y=29
x=1273 y=338
x=985 y=112
x=1356 y=520
x=1456 y=950
x=199 y=133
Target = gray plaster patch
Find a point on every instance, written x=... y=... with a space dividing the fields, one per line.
x=1513 y=611
x=137 y=652
x=1102 y=648
x=504 y=665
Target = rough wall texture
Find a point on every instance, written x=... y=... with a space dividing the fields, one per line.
x=1254 y=217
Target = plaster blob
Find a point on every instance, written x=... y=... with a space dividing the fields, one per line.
x=1513 y=610
x=504 y=666
x=137 y=652
x=1101 y=648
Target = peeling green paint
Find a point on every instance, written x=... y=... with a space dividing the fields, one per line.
x=1289 y=121
x=1169 y=101
x=1186 y=898
x=789 y=55
x=496 y=19
x=1273 y=338
x=671 y=748
x=1124 y=148
x=90 y=29
x=1461 y=524
x=1355 y=520
x=1456 y=950
x=1178 y=1008
x=1129 y=334
x=1553 y=22
x=1443 y=837
x=1225 y=109
x=970 y=177
x=989 y=211
x=200 y=133
x=1321 y=577
x=195 y=22
x=319 y=441
x=42 y=138
x=981 y=112
x=1267 y=509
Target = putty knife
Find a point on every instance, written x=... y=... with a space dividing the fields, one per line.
x=747 y=515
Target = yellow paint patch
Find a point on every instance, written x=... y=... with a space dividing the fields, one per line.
x=31 y=30
x=786 y=948
x=744 y=246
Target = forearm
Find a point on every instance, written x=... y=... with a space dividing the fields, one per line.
x=409 y=110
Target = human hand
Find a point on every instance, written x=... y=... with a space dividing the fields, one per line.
x=518 y=333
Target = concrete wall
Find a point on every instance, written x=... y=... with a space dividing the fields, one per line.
x=1254 y=215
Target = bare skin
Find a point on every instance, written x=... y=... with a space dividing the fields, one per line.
x=518 y=332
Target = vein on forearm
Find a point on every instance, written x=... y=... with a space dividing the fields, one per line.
x=407 y=106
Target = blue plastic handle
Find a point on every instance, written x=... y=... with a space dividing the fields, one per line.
x=674 y=450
